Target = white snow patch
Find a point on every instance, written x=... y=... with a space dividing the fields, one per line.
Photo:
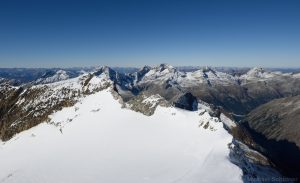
x=228 y=122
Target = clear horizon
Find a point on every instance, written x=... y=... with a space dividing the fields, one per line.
x=134 y=33
x=137 y=67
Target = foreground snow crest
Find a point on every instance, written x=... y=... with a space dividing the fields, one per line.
x=97 y=140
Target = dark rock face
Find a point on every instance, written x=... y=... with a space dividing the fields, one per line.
x=241 y=99
x=139 y=104
x=140 y=73
x=122 y=80
x=254 y=165
x=284 y=154
x=233 y=98
x=187 y=102
x=278 y=119
x=275 y=128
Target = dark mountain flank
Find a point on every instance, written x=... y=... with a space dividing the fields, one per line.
x=275 y=127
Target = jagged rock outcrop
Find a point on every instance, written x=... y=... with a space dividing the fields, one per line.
x=187 y=101
x=255 y=166
x=146 y=104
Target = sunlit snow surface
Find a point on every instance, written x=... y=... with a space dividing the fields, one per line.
x=98 y=141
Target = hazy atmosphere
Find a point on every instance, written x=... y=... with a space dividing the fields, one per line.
x=55 y=33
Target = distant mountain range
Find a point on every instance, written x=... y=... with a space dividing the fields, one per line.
x=24 y=75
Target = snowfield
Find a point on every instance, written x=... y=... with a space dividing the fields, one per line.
x=98 y=141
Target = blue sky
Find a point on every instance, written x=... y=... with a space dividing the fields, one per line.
x=60 y=33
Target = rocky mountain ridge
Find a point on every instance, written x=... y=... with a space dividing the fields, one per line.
x=232 y=93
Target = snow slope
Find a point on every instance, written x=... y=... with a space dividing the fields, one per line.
x=98 y=141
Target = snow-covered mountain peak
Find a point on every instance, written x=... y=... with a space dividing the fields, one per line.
x=297 y=75
x=146 y=68
x=137 y=76
x=110 y=74
x=208 y=69
x=106 y=70
x=207 y=75
x=53 y=76
x=164 y=68
x=122 y=81
x=258 y=73
x=2 y=80
x=61 y=72
x=210 y=73
x=161 y=72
